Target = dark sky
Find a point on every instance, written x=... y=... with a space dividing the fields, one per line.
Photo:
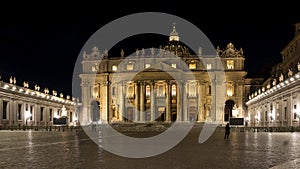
x=41 y=43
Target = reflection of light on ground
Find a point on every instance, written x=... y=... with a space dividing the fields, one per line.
x=31 y=145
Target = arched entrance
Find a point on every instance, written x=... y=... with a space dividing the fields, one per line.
x=228 y=109
x=173 y=116
x=95 y=111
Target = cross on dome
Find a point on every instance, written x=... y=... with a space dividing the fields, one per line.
x=174 y=34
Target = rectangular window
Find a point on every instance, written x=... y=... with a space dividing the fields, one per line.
x=4 y=111
x=148 y=91
x=192 y=90
x=31 y=112
x=173 y=90
x=209 y=90
x=71 y=117
x=130 y=66
x=295 y=106
x=174 y=65
x=114 y=91
x=208 y=66
x=230 y=64
x=295 y=116
x=160 y=92
x=147 y=65
x=19 y=114
x=192 y=65
x=42 y=114
x=114 y=68
x=50 y=115
x=230 y=89
x=285 y=113
x=266 y=116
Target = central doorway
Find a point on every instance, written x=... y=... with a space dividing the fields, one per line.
x=228 y=109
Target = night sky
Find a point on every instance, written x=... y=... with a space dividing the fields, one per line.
x=41 y=43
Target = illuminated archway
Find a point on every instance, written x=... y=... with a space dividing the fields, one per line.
x=229 y=104
x=95 y=111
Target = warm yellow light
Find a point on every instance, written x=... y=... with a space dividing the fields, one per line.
x=147 y=91
x=114 y=68
x=63 y=111
x=208 y=66
x=230 y=64
x=192 y=65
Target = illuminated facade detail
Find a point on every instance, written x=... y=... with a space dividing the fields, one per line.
x=173 y=93
x=230 y=89
x=277 y=105
x=149 y=94
x=130 y=65
x=208 y=66
x=192 y=66
x=230 y=64
x=114 y=68
x=20 y=106
x=174 y=34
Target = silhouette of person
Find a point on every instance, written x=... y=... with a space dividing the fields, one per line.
x=227 y=131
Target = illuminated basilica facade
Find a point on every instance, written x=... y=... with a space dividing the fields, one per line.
x=147 y=87
x=22 y=106
x=277 y=102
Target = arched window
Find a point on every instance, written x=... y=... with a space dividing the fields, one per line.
x=173 y=90
x=230 y=64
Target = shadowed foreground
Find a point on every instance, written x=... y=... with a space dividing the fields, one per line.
x=73 y=149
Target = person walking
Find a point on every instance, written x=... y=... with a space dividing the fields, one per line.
x=227 y=131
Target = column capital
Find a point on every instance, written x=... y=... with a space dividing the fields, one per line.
x=152 y=82
x=180 y=82
x=142 y=83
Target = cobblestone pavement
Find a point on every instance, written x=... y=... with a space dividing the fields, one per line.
x=57 y=149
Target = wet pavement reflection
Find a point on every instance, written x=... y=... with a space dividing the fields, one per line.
x=71 y=149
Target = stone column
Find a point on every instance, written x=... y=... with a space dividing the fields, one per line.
x=168 y=101
x=142 y=101
x=185 y=102
x=200 y=102
x=105 y=104
x=152 y=101
x=13 y=112
x=121 y=106
x=281 y=115
x=290 y=110
x=220 y=98
x=84 y=116
x=179 y=101
x=136 y=102
x=1 y=108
